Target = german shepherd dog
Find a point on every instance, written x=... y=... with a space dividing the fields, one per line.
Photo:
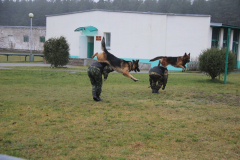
x=117 y=64
x=178 y=62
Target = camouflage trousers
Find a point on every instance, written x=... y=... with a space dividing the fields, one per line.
x=154 y=78
x=95 y=77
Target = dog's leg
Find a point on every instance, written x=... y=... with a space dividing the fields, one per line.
x=160 y=61
x=95 y=55
x=127 y=74
x=183 y=69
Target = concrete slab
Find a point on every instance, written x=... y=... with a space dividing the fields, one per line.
x=6 y=157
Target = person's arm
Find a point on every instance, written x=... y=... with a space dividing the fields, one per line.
x=106 y=71
x=165 y=78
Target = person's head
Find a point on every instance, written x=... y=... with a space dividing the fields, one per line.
x=109 y=68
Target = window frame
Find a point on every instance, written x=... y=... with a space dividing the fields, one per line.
x=225 y=35
x=107 y=36
x=42 y=39
x=215 y=37
x=25 y=38
x=10 y=38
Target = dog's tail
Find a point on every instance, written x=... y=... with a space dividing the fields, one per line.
x=94 y=55
x=156 y=58
x=104 y=49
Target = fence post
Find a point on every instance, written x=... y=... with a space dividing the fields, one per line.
x=226 y=61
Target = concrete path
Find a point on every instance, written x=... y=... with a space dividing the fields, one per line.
x=5 y=157
x=5 y=65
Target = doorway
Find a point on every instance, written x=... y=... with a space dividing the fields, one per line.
x=90 y=46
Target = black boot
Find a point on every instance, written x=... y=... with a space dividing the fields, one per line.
x=153 y=90
x=95 y=96
x=100 y=99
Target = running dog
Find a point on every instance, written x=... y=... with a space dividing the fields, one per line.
x=117 y=64
x=178 y=62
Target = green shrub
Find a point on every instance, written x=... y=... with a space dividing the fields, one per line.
x=212 y=62
x=56 y=51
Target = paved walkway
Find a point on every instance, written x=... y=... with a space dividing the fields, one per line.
x=5 y=157
x=5 y=65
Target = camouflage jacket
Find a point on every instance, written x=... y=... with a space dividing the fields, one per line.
x=106 y=70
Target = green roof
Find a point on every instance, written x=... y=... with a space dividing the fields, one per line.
x=89 y=28
x=223 y=25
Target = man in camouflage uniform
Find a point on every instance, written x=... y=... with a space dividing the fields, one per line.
x=158 y=74
x=95 y=72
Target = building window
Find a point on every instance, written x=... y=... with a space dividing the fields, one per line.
x=108 y=40
x=215 y=37
x=42 y=39
x=236 y=35
x=10 y=38
x=25 y=39
x=225 y=35
x=235 y=41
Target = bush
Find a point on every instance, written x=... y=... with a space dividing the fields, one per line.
x=56 y=51
x=212 y=62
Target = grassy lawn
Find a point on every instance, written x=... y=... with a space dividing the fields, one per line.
x=51 y=115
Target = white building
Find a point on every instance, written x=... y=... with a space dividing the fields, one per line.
x=17 y=38
x=132 y=35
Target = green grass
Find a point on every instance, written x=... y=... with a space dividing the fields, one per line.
x=51 y=115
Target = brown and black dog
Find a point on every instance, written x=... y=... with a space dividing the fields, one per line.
x=117 y=64
x=178 y=62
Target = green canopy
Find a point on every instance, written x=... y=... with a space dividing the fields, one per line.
x=90 y=28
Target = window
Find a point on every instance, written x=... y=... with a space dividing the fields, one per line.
x=225 y=35
x=235 y=41
x=215 y=37
x=108 y=40
x=25 y=39
x=42 y=39
x=236 y=35
x=10 y=38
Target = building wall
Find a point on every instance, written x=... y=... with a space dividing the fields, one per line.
x=12 y=38
x=134 y=35
x=187 y=34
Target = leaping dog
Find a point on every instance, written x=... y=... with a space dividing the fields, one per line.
x=117 y=64
x=178 y=62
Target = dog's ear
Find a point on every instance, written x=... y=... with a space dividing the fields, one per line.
x=189 y=54
x=185 y=54
x=137 y=60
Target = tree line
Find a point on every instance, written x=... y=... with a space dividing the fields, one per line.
x=15 y=12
